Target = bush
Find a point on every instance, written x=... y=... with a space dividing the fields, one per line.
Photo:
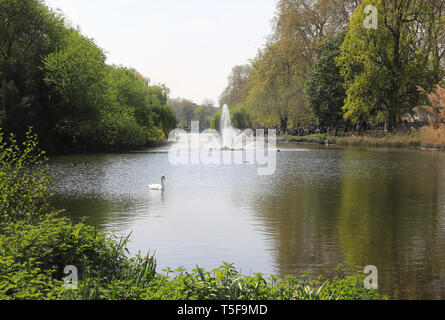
x=24 y=180
x=120 y=130
x=226 y=283
x=313 y=138
x=56 y=243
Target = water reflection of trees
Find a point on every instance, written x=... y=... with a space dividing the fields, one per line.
x=383 y=208
x=299 y=213
x=388 y=218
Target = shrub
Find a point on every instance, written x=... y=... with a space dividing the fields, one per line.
x=24 y=180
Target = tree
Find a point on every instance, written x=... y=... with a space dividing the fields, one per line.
x=149 y=103
x=276 y=93
x=237 y=89
x=277 y=84
x=324 y=88
x=383 y=67
x=80 y=88
x=240 y=118
x=163 y=115
x=56 y=79
x=433 y=30
x=28 y=31
x=202 y=114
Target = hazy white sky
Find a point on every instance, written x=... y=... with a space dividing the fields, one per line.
x=189 y=45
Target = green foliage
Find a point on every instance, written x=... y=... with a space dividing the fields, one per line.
x=238 y=86
x=216 y=120
x=276 y=96
x=31 y=266
x=79 y=87
x=28 y=31
x=382 y=68
x=390 y=140
x=272 y=86
x=185 y=111
x=324 y=88
x=149 y=118
x=104 y=107
x=55 y=79
x=240 y=118
x=54 y=243
x=312 y=138
x=202 y=114
x=162 y=113
x=24 y=180
x=119 y=130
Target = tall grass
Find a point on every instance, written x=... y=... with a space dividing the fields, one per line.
x=387 y=141
x=433 y=136
x=224 y=283
x=313 y=138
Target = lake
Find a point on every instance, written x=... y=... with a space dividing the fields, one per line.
x=324 y=206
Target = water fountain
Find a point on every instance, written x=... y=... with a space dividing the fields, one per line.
x=227 y=139
x=227 y=132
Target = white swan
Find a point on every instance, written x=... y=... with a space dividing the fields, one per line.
x=157 y=186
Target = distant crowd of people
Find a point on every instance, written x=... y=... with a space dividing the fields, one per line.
x=299 y=131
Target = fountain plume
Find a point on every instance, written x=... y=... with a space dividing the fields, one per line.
x=227 y=131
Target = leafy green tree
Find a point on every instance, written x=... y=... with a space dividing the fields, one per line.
x=237 y=88
x=202 y=114
x=240 y=118
x=28 y=31
x=276 y=94
x=163 y=114
x=325 y=91
x=132 y=91
x=57 y=80
x=383 y=67
x=185 y=111
x=188 y=113
x=216 y=119
x=80 y=88
x=148 y=103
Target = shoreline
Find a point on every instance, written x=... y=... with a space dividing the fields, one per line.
x=391 y=141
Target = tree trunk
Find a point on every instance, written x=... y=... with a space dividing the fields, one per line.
x=391 y=121
x=284 y=121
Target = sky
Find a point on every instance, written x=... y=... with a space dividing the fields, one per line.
x=189 y=45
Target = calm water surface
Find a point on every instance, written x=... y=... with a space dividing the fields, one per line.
x=323 y=207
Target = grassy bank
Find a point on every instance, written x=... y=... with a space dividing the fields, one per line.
x=413 y=140
x=36 y=245
x=386 y=141
x=313 y=138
